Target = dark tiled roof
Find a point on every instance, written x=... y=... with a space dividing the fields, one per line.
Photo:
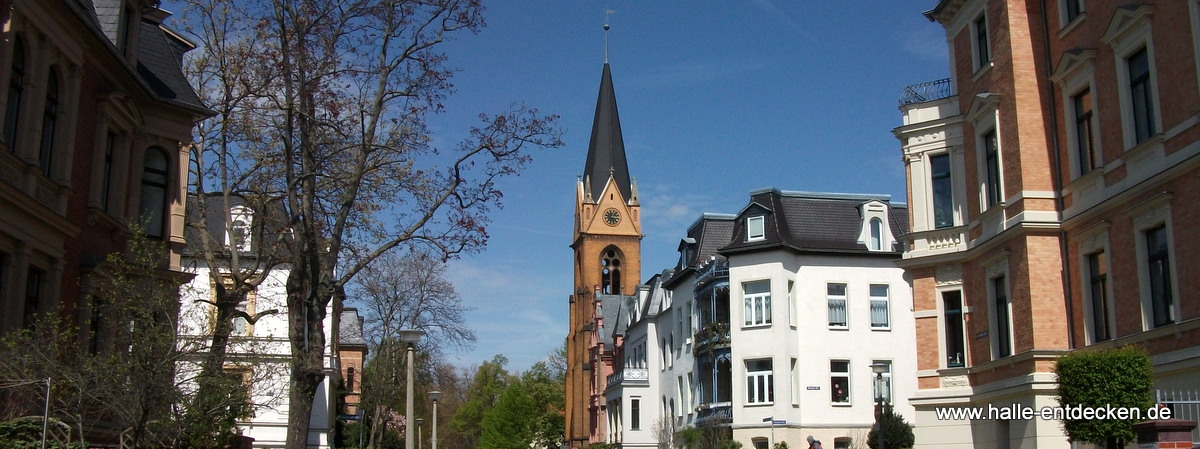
x=613 y=310
x=159 y=56
x=606 y=151
x=811 y=221
x=705 y=238
x=268 y=225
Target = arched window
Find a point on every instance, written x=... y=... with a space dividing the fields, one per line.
x=49 y=124
x=155 y=177
x=610 y=272
x=16 y=85
x=876 y=234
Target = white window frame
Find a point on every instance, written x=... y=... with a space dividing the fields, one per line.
x=887 y=306
x=1128 y=33
x=1148 y=215
x=993 y=322
x=1076 y=73
x=756 y=307
x=888 y=388
x=756 y=228
x=831 y=298
x=978 y=63
x=955 y=178
x=1094 y=241
x=1064 y=21
x=761 y=379
x=944 y=331
x=844 y=377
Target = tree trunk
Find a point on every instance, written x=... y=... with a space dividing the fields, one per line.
x=306 y=313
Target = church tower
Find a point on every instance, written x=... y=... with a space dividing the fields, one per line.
x=607 y=247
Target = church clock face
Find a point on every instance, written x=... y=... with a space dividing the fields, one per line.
x=612 y=217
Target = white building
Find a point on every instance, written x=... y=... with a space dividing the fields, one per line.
x=259 y=351
x=767 y=329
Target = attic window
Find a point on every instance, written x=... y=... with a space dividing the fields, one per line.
x=755 y=229
x=876 y=234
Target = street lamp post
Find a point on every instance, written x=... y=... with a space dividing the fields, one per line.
x=879 y=368
x=420 y=431
x=409 y=337
x=434 y=396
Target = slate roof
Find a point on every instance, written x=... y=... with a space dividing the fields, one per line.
x=350 y=328
x=613 y=310
x=606 y=151
x=812 y=221
x=214 y=221
x=705 y=237
x=160 y=55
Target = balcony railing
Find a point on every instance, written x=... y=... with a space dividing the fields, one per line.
x=714 y=414
x=711 y=336
x=711 y=271
x=927 y=91
x=629 y=376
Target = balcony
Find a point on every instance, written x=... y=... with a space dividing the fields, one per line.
x=927 y=91
x=711 y=336
x=713 y=270
x=936 y=241
x=714 y=414
x=629 y=377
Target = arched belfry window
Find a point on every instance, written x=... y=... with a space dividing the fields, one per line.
x=16 y=86
x=610 y=272
x=155 y=177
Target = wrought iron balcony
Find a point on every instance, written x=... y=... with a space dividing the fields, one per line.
x=714 y=414
x=714 y=269
x=927 y=91
x=711 y=336
x=629 y=376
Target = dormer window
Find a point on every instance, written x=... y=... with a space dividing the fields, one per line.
x=239 y=235
x=755 y=229
x=875 y=233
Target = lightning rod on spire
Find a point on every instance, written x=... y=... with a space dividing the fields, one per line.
x=607 y=12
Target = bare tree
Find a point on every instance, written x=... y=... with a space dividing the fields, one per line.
x=323 y=108
x=412 y=292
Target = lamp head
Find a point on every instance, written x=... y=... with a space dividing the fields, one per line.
x=420 y=421
x=411 y=336
x=435 y=395
x=879 y=368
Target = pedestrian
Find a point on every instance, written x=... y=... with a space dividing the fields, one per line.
x=814 y=443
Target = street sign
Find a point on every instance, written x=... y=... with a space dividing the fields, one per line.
x=349 y=417
x=779 y=422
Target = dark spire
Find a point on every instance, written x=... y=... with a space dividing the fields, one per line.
x=606 y=152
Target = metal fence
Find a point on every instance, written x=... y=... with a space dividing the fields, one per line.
x=1184 y=404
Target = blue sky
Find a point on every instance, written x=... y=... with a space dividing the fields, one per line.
x=717 y=98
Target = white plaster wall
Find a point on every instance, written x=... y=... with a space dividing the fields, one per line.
x=269 y=368
x=814 y=344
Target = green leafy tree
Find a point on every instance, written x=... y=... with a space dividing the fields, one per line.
x=511 y=423
x=1120 y=377
x=897 y=433
x=488 y=384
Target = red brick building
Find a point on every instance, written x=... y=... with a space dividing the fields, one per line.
x=96 y=115
x=1052 y=180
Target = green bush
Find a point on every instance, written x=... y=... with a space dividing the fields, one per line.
x=897 y=433
x=1120 y=377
